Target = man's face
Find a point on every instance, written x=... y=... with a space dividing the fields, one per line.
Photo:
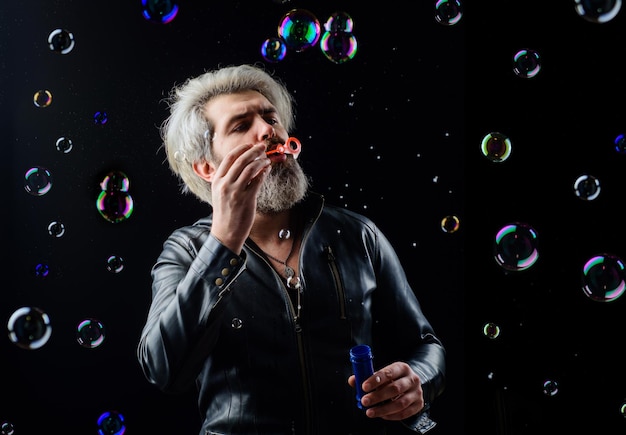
x=249 y=118
x=242 y=118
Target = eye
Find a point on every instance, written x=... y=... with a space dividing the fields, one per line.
x=272 y=121
x=244 y=126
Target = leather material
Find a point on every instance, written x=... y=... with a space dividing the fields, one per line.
x=224 y=324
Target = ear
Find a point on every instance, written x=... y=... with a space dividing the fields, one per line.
x=204 y=170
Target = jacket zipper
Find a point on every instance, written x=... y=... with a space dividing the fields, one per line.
x=298 y=330
x=334 y=271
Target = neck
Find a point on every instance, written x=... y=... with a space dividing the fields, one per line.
x=267 y=226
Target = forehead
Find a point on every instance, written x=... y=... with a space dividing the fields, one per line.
x=225 y=108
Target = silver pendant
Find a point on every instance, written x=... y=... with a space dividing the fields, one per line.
x=289 y=272
x=293 y=282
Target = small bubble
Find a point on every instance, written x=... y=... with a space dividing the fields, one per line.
x=42 y=270
x=7 y=428
x=159 y=11
x=339 y=21
x=550 y=387
x=496 y=146
x=38 y=181
x=515 y=247
x=598 y=11
x=179 y=156
x=90 y=333
x=61 y=41
x=114 y=203
x=603 y=278
x=338 y=47
x=587 y=187
x=115 y=264
x=29 y=328
x=64 y=145
x=42 y=98
x=620 y=143
x=300 y=29
x=448 y=12
x=491 y=330
x=273 y=49
x=236 y=323
x=111 y=423
x=56 y=229
x=450 y=224
x=115 y=181
x=526 y=63
x=100 y=118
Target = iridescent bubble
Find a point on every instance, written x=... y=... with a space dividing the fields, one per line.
x=338 y=47
x=42 y=98
x=159 y=11
x=496 y=146
x=42 y=270
x=526 y=63
x=450 y=224
x=550 y=387
x=115 y=264
x=603 y=278
x=274 y=49
x=515 y=247
x=29 y=328
x=622 y=409
x=61 y=41
x=111 y=423
x=115 y=181
x=300 y=29
x=64 y=145
x=100 y=118
x=598 y=11
x=90 y=333
x=448 y=12
x=37 y=181
x=491 y=330
x=339 y=22
x=620 y=143
x=587 y=187
x=236 y=323
x=56 y=229
x=284 y=233
x=114 y=203
x=7 y=428
x=115 y=206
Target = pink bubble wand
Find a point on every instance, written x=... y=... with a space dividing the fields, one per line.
x=292 y=146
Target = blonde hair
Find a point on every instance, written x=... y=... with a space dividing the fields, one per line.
x=186 y=133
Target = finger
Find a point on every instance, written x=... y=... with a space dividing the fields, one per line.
x=258 y=179
x=379 y=378
x=352 y=380
x=237 y=161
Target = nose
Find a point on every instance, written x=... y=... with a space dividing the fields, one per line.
x=267 y=131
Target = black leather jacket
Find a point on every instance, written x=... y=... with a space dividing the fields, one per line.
x=226 y=324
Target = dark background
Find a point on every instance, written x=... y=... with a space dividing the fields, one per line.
x=562 y=124
x=382 y=134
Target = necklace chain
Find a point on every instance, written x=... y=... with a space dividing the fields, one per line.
x=288 y=270
x=293 y=282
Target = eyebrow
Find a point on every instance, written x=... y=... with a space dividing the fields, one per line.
x=262 y=111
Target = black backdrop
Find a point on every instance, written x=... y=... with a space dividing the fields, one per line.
x=562 y=124
x=382 y=134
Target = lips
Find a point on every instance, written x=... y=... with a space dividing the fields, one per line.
x=277 y=157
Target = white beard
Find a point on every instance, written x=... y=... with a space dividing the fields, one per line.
x=284 y=186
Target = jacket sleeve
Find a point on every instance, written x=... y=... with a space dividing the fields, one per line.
x=408 y=335
x=190 y=283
